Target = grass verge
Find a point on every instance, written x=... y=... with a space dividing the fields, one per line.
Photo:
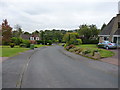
x=6 y=51
x=103 y=52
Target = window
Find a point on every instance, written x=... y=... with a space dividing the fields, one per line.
x=106 y=38
x=118 y=24
x=31 y=38
x=37 y=38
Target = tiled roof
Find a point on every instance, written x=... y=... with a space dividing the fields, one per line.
x=25 y=36
x=107 y=30
x=117 y=32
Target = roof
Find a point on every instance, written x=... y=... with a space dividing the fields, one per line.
x=25 y=36
x=107 y=30
x=117 y=32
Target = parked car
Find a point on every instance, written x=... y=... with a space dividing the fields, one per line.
x=107 y=45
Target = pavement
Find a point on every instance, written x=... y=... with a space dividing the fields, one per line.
x=114 y=59
x=54 y=67
x=3 y=58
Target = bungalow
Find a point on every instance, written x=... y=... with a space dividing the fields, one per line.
x=30 y=37
x=33 y=38
x=112 y=31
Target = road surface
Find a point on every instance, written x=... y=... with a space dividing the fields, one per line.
x=53 y=67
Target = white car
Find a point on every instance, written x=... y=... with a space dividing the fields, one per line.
x=107 y=45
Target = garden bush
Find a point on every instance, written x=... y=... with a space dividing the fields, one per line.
x=72 y=50
x=39 y=41
x=95 y=51
x=16 y=40
x=77 y=42
x=70 y=47
x=5 y=43
x=76 y=49
x=12 y=45
x=50 y=42
x=87 y=51
x=22 y=45
x=26 y=43
x=89 y=41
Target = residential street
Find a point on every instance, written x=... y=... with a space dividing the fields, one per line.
x=53 y=67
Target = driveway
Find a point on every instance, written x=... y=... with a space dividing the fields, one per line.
x=53 y=67
x=114 y=59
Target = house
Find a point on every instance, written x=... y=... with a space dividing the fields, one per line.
x=34 y=37
x=112 y=31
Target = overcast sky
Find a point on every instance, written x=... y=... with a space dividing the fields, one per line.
x=57 y=14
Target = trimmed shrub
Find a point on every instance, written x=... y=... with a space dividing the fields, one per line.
x=76 y=49
x=70 y=47
x=86 y=51
x=22 y=45
x=78 y=42
x=17 y=41
x=94 y=52
x=71 y=50
x=12 y=45
x=89 y=41
x=39 y=41
x=26 y=43
x=50 y=42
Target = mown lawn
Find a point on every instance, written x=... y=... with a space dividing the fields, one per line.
x=104 y=53
x=6 y=51
x=39 y=45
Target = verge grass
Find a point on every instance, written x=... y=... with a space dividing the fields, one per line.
x=104 y=53
x=6 y=51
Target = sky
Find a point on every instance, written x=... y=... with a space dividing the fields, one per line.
x=34 y=15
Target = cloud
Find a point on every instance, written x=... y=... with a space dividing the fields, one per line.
x=62 y=14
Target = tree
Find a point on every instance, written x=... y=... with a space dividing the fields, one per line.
x=70 y=38
x=6 y=32
x=35 y=32
x=88 y=31
x=103 y=26
x=18 y=30
x=85 y=31
x=27 y=33
x=94 y=31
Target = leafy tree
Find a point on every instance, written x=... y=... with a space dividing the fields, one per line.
x=103 y=26
x=85 y=31
x=6 y=32
x=70 y=38
x=16 y=40
x=27 y=33
x=19 y=31
x=88 y=31
x=36 y=32
x=94 y=31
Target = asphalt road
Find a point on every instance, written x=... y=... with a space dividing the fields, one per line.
x=53 y=67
